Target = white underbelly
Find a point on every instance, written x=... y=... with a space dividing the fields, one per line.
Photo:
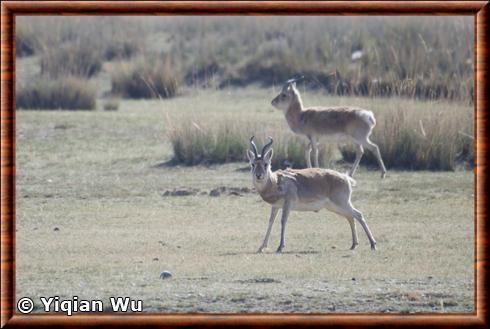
x=335 y=138
x=310 y=206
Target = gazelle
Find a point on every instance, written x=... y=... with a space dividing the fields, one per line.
x=310 y=189
x=344 y=123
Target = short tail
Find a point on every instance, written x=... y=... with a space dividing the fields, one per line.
x=368 y=117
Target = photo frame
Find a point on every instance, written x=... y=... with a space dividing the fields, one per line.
x=11 y=9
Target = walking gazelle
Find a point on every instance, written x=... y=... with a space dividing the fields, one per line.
x=310 y=189
x=344 y=123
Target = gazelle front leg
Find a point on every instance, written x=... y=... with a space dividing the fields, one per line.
x=314 y=145
x=308 y=153
x=284 y=218
x=274 y=212
x=359 y=153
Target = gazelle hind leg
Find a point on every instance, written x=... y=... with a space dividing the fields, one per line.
x=375 y=149
x=355 y=239
x=360 y=218
x=344 y=208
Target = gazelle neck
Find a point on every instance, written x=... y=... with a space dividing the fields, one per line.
x=266 y=185
x=293 y=112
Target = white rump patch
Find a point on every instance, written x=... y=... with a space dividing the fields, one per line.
x=368 y=117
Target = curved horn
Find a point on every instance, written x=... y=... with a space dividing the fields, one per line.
x=293 y=80
x=267 y=147
x=254 y=147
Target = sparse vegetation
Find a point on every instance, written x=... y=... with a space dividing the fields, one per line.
x=413 y=57
x=226 y=141
x=111 y=104
x=79 y=59
x=422 y=139
x=146 y=78
x=67 y=93
x=122 y=49
x=411 y=135
x=26 y=42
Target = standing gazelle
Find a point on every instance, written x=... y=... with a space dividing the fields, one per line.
x=344 y=123
x=309 y=189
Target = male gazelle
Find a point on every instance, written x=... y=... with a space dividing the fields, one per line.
x=343 y=123
x=308 y=189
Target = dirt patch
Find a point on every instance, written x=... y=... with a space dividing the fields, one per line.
x=259 y=280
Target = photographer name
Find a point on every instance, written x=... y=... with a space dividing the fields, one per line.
x=70 y=306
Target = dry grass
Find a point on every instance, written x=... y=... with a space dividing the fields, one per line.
x=77 y=59
x=67 y=93
x=96 y=177
x=226 y=140
x=26 y=42
x=414 y=57
x=429 y=138
x=411 y=135
x=149 y=77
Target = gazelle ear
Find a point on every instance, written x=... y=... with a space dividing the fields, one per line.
x=268 y=155
x=250 y=155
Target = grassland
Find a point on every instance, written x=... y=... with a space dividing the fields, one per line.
x=415 y=57
x=94 y=219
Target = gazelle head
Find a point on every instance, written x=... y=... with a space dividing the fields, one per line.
x=287 y=95
x=260 y=163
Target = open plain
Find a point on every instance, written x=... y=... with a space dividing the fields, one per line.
x=100 y=212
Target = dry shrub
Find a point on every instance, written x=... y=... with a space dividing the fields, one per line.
x=227 y=140
x=78 y=59
x=122 y=49
x=421 y=140
x=67 y=93
x=26 y=42
x=152 y=77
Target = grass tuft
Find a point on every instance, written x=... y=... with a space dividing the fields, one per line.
x=26 y=42
x=77 y=59
x=228 y=140
x=421 y=140
x=68 y=93
x=152 y=77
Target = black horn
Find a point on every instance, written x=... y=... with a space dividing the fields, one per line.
x=267 y=147
x=254 y=147
x=293 y=80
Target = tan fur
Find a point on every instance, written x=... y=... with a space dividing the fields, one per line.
x=340 y=123
x=310 y=189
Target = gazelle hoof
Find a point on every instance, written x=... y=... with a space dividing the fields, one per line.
x=279 y=250
x=261 y=249
x=354 y=246
x=373 y=246
x=383 y=175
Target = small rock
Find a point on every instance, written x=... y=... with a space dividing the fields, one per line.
x=155 y=259
x=165 y=275
x=56 y=229
x=353 y=279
